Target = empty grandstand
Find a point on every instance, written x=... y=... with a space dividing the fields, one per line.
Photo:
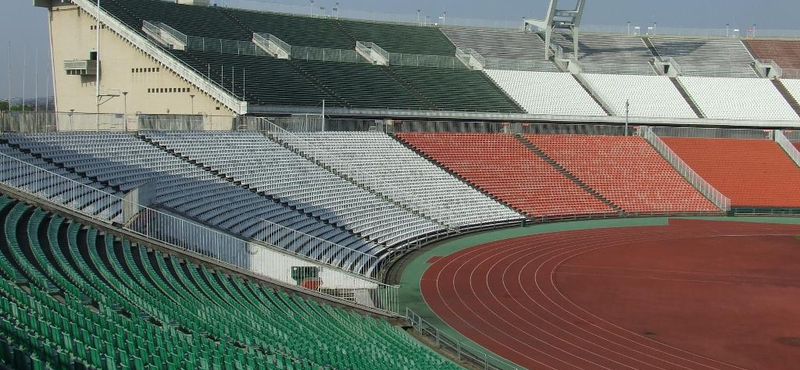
x=93 y=300
x=753 y=173
x=624 y=55
x=640 y=96
x=626 y=170
x=502 y=166
x=738 y=99
x=546 y=93
x=225 y=188
x=707 y=57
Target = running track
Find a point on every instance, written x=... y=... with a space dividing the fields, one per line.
x=503 y=296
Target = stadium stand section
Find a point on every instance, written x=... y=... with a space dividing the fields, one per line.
x=270 y=81
x=190 y=20
x=398 y=38
x=456 y=90
x=613 y=54
x=751 y=172
x=383 y=164
x=123 y=162
x=503 y=44
x=294 y=30
x=502 y=166
x=738 y=98
x=793 y=86
x=784 y=52
x=265 y=166
x=707 y=57
x=547 y=93
x=626 y=170
x=77 y=297
x=649 y=96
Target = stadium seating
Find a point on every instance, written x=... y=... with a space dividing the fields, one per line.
x=190 y=20
x=752 y=173
x=649 y=96
x=294 y=30
x=707 y=57
x=546 y=93
x=738 y=98
x=502 y=166
x=266 y=80
x=793 y=86
x=85 y=199
x=74 y=297
x=503 y=44
x=625 y=170
x=268 y=167
x=383 y=164
x=784 y=52
x=363 y=85
x=399 y=38
x=125 y=162
x=455 y=89
x=613 y=54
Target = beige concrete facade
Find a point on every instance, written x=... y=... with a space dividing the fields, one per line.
x=151 y=88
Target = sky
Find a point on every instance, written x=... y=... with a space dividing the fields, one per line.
x=26 y=28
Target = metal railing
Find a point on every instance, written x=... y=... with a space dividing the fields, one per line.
x=463 y=352
x=327 y=55
x=193 y=238
x=787 y=146
x=717 y=198
x=711 y=132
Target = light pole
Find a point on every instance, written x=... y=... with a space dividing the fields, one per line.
x=71 y=126
x=191 y=96
x=727 y=30
x=627 y=114
x=125 y=111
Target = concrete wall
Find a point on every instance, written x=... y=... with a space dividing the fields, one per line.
x=152 y=89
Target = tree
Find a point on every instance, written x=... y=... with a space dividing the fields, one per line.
x=3 y=106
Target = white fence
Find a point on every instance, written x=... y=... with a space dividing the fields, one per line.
x=721 y=201
x=787 y=146
x=193 y=238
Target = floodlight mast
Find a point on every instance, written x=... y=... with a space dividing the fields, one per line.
x=569 y=19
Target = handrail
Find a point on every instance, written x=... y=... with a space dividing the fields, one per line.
x=787 y=146
x=190 y=74
x=464 y=352
x=704 y=187
x=263 y=259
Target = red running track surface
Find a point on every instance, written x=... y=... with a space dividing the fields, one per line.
x=694 y=295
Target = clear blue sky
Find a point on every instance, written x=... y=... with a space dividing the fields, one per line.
x=22 y=24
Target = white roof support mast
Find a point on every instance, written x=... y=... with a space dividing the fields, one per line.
x=569 y=19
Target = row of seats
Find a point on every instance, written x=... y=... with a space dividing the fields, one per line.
x=752 y=173
x=546 y=93
x=296 y=30
x=502 y=166
x=784 y=52
x=268 y=167
x=625 y=170
x=124 y=162
x=707 y=57
x=648 y=96
x=738 y=98
x=625 y=55
x=385 y=165
x=497 y=44
x=74 y=297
